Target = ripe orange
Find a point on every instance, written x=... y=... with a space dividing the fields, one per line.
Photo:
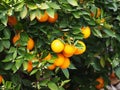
x=1 y=79
x=48 y=57
x=57 y=46
x=112 y=75
x=30 y=44
x=86 y=31
x=101 y=83
x=98 y=12
x=81 y=50
x=68 y=50
x=29 y=66
x=66 y=63
x=51 y=67
x=16 y=38
x=59 y=60
x=43 y=18
x=12 y=21
x=53 y=20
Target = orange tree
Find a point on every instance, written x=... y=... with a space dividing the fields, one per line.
x=58 y=44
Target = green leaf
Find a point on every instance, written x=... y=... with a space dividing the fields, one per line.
x=4 y=20
x=19 y=6
x=18 y=63
x=51 y=12
x=1 y=46
x=8 y=58
x=43 y=6
x=32 y=15
x=97 y=33
x=73 y=2
x=7 y=33
x=6 y=43
x=64 y=82
x=8 y=66
x=32 y=6
x=33 y=71
x=110 y=33
x=117 y=71
x=23 y=13
x=72 y=66
x=53 y=5
x=66 y=72
x=44 y=82
x=52 y=86
x=15 y=54
x=102 y=62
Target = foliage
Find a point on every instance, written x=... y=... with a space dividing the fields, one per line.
x=102 y=47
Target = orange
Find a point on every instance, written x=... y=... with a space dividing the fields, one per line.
x=81 y=50
x=1 y=79
x=57 y=46
x=86 y=31
x=43 y=18
x=98 y=12
x=12 y=21
x=112 y=75
x=53 y=19
x=29 y=66
x=51 y=67
x=48 y=57
x=91 y=14
x=59 y=60
x=102 y=20
x=100 y=80
x=16 y=38
x=68 y=50
x=66 y=63
x=30 y=44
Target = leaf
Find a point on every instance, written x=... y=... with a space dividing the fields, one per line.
x=18 y=63
x=33 y=71
x=32 y=15
x=64 y=82
x=8 y=66
x=53 y=5
x=15 y=54
x=32 y=6
x=73 y=2
x=52 y=86
x=102 y=62
x=66 y=72
x=23 y=13
x=72 y=66
x=4 y=19
x=1 y=46
x=7 y=33
x=110 y=33
x=51 y=12
x=117 y=71
x=6 y=43
x=19 y=6
x=42 y=6
x=97 y=33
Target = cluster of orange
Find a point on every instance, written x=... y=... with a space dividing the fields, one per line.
x=65 y=50
x=45 y=17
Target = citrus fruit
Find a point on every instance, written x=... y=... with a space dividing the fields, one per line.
x=86 y=31
x=112 y=75
x=98 y=12
x=81 y=49
x=68 y=50
x=51 y=67
x=66 y=63
x=59 y=60
x=29 y=66
x=30 y=44
x=12 y=21
x=100 y=84
x=53 y=19
x=57 y=46
x=16 y=38
x=43 y=18
x=1 y=79
x=48 y=57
